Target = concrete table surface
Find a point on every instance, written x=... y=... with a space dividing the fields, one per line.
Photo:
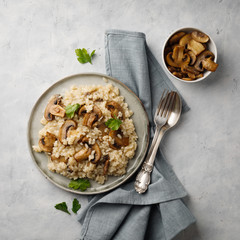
x=37 y=43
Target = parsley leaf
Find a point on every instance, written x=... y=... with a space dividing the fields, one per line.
x=71 y=109
x=80 y=183
x=75 y=205
x=62 y=207
x=93 y=52
x=113 y=123
x=83 y=55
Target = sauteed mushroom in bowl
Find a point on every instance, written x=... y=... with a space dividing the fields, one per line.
x=189 y=55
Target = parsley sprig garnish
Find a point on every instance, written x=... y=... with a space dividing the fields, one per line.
x=80 y=183
x=113 y=123
x=71 y=109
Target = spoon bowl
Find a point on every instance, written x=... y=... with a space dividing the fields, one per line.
x=175 y=114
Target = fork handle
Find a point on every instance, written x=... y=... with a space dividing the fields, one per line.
x=143 y=178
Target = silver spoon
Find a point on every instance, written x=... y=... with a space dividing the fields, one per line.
x=167 y=115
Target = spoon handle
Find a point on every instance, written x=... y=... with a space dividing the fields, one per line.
x=143 y=177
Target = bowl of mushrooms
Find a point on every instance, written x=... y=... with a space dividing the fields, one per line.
x=189 y=55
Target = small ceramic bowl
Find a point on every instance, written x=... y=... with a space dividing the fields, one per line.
x=210 y=46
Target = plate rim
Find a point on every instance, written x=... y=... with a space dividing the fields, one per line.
x=29 y=126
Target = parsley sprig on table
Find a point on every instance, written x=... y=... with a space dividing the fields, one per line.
x=75 y=205
x=63 y=206
x=83 y=55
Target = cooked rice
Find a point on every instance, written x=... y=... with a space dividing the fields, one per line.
x=118 y=159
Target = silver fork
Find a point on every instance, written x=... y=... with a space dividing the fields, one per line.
x=160 y=118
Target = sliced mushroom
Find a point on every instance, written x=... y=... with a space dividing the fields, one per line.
x=104 y=130
x=85 y=119
x=82 y=111
x=114 y=146
x=55 y=100
x=188 y=69
x=167 y=50
x=97 y=111
x=180 y=57
x=57 y=110
x=178 y=74
x=119 y=140
x=85 y=140
x=200 y=37
x=191 y=75
x=105 y=158
x=175 y=38
x=195 y=47
x=63 y=131
x=106 y=166
x=115 y=109
x=90 y=118
x=209 y=65
x=170 y=61
x=185 y=39
x=174 y=45
x=193 y=57
x=173 y=69
x=97 y=154
x=178 y=54
x=46 y=143
x=83 y=154
x=186 y=59
x=206 y=54
x=199 y=75
x=94 y=116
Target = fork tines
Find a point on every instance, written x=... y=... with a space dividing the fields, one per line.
x=166 y=103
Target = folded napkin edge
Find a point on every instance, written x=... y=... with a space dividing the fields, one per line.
x=126 y=33
x=133 y=201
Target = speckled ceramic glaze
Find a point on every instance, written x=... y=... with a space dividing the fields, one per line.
x=139 y=117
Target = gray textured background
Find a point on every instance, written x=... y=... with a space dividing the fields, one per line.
x=37 y=43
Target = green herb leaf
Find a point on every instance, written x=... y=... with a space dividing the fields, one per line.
x=71 y=109
x=93 y=52
x=83 y=55
x=75 y=205
x=80 y=183
x=62 y=207
x=113 y=123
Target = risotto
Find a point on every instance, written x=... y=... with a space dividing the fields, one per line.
x=79 y=138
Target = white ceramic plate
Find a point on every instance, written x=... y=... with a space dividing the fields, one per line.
x=139 y=117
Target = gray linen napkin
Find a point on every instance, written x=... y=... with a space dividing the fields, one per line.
x=123 y=213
